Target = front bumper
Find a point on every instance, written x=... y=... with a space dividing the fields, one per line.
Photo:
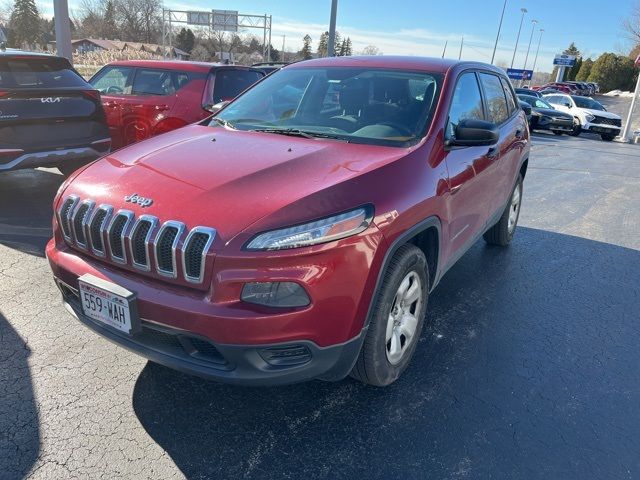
x=251 y=365
x=601 y=129
x=549 y=123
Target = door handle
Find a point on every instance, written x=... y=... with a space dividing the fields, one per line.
x=519 y=134
x=493 y=152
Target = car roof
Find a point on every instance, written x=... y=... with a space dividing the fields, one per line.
x=426 y=64
x=14 y=52
x=177 y=65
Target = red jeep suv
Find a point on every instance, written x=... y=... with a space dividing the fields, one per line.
x=298 y=233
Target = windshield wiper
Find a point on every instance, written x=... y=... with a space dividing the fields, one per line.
x=223 y=123
x=295 y=132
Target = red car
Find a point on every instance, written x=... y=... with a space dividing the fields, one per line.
x=299 y=232
x=144 y=98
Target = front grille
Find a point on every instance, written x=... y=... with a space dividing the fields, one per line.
x=79 y=217
x=196 y=246
x=166 y=245
x=65 y=213
x=616 y=122
x=136 y=242
x=116 y=230
x=140 y=241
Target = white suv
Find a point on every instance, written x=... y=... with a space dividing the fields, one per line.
x=588 y=115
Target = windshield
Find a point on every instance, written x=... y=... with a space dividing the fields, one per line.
x=38 y=72
x=535 y=102
x=374 y=106
x=585 y=102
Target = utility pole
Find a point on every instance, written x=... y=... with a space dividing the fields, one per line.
x=626 y=134
x=445 y=48
x=526 y=58
x=535 y=60
x=332 y=29
x=495 y=46
x=63 y=29
x=461 y=45
x=523 y=10
x=283 y=37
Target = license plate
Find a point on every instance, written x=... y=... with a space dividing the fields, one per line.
x=108 y=303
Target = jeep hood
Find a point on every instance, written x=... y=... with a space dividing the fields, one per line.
x=222 y=178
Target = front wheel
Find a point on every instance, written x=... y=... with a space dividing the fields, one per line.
x=397 y=319
x=607 y=137
x=502 y=232
x=557 y=132
x=577 y=128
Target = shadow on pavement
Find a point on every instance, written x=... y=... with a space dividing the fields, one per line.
x=26 y=198
x=19 y=429
x=528 y=368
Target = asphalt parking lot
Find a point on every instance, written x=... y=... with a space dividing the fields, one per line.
x=528 y=366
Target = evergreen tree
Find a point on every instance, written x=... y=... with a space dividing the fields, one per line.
x=306 y=48
x=185 y=40
x=585 y=70
x=613 y=72
x=340 y=51
x=573 y=71
x=322 y=44
x=348 y=51
x=109 y=23
x=24 y=24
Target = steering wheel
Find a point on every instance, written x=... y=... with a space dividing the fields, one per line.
x=114 y=89
x=401 y=128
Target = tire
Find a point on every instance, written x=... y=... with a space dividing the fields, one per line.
x=502 y=232
x=607 y=138
x=69 y=168
x=378 y=362
x=558 y=133
x=577 y=128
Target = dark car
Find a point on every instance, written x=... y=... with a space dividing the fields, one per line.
x=144 y=98
x=49 y=115
x=545 y=117
x=288 y=237
x=527 y=91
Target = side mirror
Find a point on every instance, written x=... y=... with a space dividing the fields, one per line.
x=217 y=107
x=526 y=107
x=475 y=133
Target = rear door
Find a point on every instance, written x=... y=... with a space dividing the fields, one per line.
x=45 y=104
x=114 y=84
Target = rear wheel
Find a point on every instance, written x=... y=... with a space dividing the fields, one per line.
x=502 y=232
x=577 y=127
x=397 y=319
x=607 y=137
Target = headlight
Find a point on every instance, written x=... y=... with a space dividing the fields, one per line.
x=589 y=117
x=320 y=231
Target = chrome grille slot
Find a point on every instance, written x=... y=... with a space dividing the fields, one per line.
x=139 y=241
x=97 y=225
x=194 y=253
x=79 y=221
x=166 y=244
x=64 y=214
x=116 y=234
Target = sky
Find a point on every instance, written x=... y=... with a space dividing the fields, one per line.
x=421 y=27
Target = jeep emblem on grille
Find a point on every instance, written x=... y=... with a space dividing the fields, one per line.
x=135 y=198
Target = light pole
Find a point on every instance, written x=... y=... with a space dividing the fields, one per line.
x=535 y=60
x=523 y=10
x=495 y=46
x=533 y=28
x=332 y=29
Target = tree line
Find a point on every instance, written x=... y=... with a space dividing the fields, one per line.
x=611 y=71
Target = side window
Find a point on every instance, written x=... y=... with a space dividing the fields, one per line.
x=508 y=93
x=112 y=80
x=466 y=102
x=153 y=82
x=494 y=96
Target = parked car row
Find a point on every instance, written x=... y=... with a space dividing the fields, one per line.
x=51 y=117
x=569 y=87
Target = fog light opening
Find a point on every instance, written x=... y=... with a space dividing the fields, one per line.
x=275 y=294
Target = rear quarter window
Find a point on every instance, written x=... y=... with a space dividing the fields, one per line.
x=38 y=72
x=229 y=83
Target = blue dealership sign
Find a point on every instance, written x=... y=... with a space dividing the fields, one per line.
x=564 y=60
x=519 y=74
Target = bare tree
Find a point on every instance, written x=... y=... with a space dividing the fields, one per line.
x=371 y=50
x=631 y=25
